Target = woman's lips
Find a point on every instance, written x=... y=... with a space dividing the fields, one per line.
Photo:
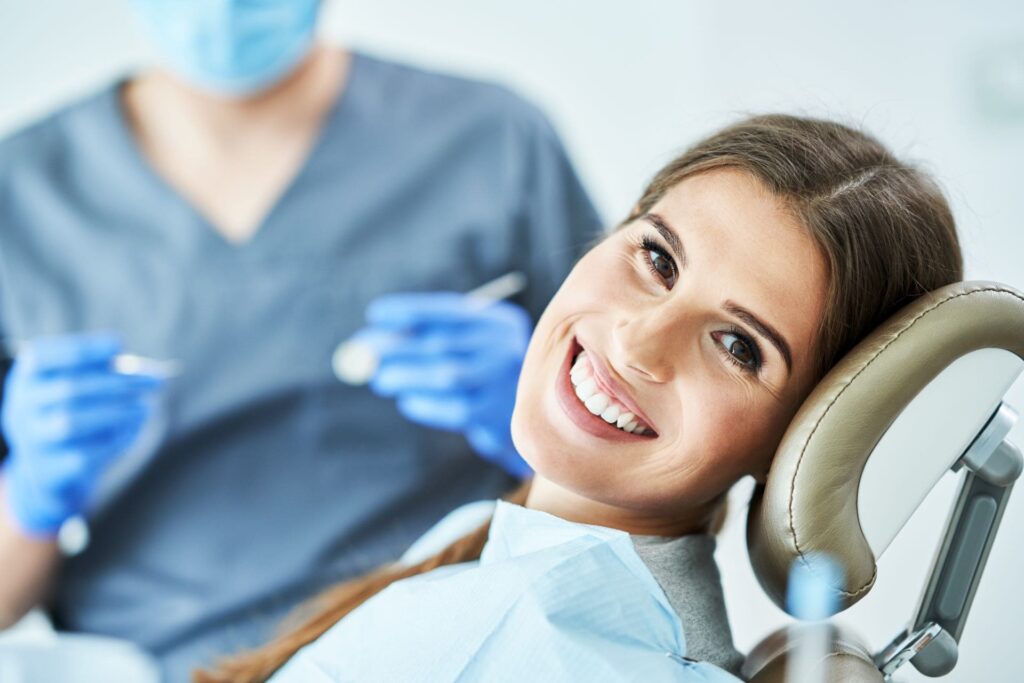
x=577 y=412
x=608 y=386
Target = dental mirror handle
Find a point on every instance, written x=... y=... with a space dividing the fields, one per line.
x=356 y=359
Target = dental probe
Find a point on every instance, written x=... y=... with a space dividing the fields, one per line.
x=355 y=360
x=121 y=363
x=132 y=364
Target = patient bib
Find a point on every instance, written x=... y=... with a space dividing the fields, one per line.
x=549 y=600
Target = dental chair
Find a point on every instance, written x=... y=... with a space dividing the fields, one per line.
x=920 y=396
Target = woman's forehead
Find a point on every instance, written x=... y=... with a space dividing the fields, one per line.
x=731 y=204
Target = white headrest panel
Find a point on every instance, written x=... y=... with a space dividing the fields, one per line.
x=931 y=433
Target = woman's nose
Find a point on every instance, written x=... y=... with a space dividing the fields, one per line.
x=646 y=344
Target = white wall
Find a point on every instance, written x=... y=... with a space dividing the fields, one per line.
x=630 y=83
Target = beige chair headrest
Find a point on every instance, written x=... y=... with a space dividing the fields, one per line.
x=809 y=502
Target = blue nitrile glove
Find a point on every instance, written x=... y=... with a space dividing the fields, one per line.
x=456 y=367
x=66 y=416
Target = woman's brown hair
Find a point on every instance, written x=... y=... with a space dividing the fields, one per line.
x=883 y=225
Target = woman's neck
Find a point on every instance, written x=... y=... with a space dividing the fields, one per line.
x=547 y=496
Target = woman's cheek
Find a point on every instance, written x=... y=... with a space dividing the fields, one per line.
x=616 y=279
x=589 y=291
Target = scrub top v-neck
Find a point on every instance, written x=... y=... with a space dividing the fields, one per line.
x=269 y=479
x=329 y=137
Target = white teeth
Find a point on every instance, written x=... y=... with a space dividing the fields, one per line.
x=597 y=403
x=580 y=371
x=586 y=389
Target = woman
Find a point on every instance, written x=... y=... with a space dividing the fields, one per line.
x=675 y=354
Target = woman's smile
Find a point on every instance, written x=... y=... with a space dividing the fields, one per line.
x=594 y=402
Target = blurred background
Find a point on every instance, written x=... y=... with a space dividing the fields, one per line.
x=630 y=84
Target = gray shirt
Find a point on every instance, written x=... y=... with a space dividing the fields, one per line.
x=685 y=568
x=271 y=480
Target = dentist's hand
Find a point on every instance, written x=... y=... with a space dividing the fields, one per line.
x=456 y=368
x=66 y=415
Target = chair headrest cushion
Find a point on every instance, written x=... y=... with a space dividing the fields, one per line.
x=809 y=501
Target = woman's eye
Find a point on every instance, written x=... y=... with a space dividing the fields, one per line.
x=740 y=351
x=663 y=266
x=658 y=260
x=660 y=263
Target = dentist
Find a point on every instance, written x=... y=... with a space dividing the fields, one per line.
x=238 y=209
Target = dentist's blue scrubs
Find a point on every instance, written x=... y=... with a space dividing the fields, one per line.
x=272 y=479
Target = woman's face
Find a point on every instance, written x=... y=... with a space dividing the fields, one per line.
x=672 y=313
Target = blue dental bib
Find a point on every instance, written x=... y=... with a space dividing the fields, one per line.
x=548 y=600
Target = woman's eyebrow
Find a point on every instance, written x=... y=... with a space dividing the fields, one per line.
x=762 y=328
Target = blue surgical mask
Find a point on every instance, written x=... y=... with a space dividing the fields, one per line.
x=230 y=47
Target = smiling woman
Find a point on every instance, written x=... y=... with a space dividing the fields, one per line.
x=682 y=316
x=668 y=366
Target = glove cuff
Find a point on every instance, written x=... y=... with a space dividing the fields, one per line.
x=35 y=513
